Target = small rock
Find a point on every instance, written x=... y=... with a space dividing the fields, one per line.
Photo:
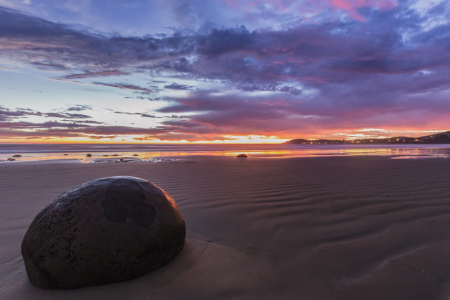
x=88 y=155
x=17 y=155
x=10 y=159
x=104 y=231
x=242 y=155
x=135 y=154
x=65 y=154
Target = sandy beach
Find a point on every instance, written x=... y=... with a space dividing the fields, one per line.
x=291 y=228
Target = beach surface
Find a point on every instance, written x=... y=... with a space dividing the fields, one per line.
x=364 y=227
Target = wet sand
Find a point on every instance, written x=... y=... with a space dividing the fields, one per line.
x=297 y=228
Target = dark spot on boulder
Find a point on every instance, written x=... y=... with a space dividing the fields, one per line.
x=143 y=215
x=116 y=214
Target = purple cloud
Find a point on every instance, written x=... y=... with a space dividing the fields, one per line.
x=176 y=86
x=383 y=64
x=125 y=87
x=96 y=74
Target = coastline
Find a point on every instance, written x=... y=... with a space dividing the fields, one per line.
x=158 y=153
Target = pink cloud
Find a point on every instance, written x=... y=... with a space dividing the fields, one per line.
x=311 y=6
x=351 y=6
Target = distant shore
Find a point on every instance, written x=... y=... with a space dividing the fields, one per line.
x=438 y=138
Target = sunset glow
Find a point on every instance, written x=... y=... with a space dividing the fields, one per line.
x=226 y=72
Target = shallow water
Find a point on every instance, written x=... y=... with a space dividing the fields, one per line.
x=164 y=153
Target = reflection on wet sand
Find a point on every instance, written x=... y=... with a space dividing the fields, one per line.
x=275 y=151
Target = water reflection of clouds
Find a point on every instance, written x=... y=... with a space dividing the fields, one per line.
x=264 y=152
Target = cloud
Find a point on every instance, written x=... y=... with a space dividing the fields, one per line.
x=125 y=87
x=75 y=129
x=135 y=114
x=170 y=136
x=66 y=115
x=83 y=121
x=270 y=88
x=176 y=86
x=96 y=74
x=180 y=64
x=311 y=54
x=382 y=62
x=284 y=115
x=48 y=65
x=273 y=8
x=7 y=114
x=79 y=107
x=221 y=41
x=44 y=125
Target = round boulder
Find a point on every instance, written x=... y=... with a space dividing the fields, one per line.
x=104 y=231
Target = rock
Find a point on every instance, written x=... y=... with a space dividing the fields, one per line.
x=17 y=155
x=88 y=155
x=135 y=154
x=10 y=159
x=104 y=231
x=242 y=155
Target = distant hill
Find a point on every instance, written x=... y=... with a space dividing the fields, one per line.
x=438 y=138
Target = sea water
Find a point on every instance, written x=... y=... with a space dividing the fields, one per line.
x=171 y=152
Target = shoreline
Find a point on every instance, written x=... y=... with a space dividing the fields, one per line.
x=194 y=159
x=292 y=151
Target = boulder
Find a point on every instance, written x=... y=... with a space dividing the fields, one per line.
x=104 y=231
x=242 y=155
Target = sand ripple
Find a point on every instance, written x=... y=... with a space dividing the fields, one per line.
x=305 y=228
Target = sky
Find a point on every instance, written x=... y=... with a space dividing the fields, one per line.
x=222 y=71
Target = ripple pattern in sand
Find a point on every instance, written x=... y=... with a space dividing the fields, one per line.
x=308 y=228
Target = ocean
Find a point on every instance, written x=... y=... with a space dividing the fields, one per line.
x=171 y=152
